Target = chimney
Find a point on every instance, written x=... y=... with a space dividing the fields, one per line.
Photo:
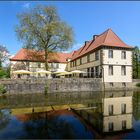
x=86 y=42
x=95 y=36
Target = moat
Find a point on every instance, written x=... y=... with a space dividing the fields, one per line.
x=79 y=115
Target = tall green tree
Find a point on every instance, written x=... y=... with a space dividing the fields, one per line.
x=42 y=29
x=136 y=62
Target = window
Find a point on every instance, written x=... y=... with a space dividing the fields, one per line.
x=110 y=109
x=124 y=124
x=88 y=58
x=110 y=54
x=110 y=71
x=52 y=65
x=124 y=84
x=75 y=63
x=97 y=55
x=111 y=84
x=123 y=108
x=57 y=65
x=111 y=126
x=123 y=55
x=27 y=63
x=123 y=70
x=92 y=72
x=39 y=65
x=97 y=71
x=111 y=95
x=88 y=72
x=80 y=61
x=71 y=64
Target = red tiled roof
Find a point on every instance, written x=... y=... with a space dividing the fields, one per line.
x=107 y=38
x=38 y=56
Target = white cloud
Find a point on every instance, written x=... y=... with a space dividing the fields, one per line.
x=26 y=5
x=77 y=46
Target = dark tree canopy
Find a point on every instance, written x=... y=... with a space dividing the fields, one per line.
x=42 y=29
x=136 y=62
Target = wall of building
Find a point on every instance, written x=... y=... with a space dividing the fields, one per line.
x=117 y=76
x=34 y=66
x=117 y=62
x=85 y=63
x=117 y=122
x=116 y=102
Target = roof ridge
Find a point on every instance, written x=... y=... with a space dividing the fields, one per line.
x=97 y=37
x=119 y=38
x=106 y=34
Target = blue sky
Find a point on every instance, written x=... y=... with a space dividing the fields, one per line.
x=86 y=18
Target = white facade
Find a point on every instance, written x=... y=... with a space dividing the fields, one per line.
x=117 y=62
x=36 y=66
x=117 y=112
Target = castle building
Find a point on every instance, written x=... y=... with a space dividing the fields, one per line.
x=106 y=56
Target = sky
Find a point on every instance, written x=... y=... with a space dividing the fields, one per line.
x=86 y=19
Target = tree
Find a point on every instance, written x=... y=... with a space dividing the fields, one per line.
x=4 y=55
x=42 y=29
x=136 y=64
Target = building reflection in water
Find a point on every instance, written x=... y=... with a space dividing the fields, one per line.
x=112 y=114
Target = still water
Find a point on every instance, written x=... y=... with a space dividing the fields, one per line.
x=92 y=115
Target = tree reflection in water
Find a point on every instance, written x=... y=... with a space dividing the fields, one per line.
x=4 y=119
x=38 y=126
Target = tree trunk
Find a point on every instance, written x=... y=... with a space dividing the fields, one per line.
x=0 y=65
x=46 y=60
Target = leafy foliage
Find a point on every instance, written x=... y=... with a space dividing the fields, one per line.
x=2 y=89
x=5 y=73
x=42 y=29
x=136 y=63
x=138 y=84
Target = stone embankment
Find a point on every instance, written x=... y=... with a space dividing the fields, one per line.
x=62 y=85
x=52 y=85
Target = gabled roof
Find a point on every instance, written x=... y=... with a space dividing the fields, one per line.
x=38 y=56
x=107 y=38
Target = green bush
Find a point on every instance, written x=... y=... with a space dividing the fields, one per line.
x=5 y=73
x=2 y=89
x=138 y=84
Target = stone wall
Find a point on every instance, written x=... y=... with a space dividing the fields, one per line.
x=62 y=85
x=53 y=85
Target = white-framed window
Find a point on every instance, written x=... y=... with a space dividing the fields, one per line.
x=123 y=70
x=110 y=53
x=123 y=55
x=110 y=70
